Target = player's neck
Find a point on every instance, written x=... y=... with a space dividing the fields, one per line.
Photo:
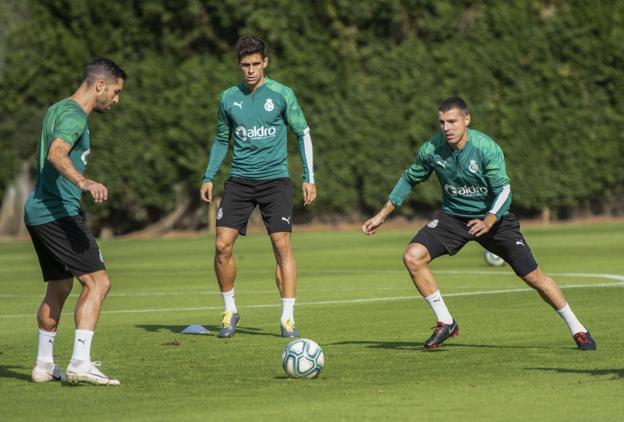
x=84 y=98
x=461 y=144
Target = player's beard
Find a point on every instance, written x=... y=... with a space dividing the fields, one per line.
x=101 y=103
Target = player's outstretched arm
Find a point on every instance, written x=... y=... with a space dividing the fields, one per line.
x=371 y=225
x=205 y=192
x=309 y=193
x=58 y=156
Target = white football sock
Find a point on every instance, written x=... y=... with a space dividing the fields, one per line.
x=82 y=345
x=229 y=305
x=574 y=325
x=288 y=309
x=440 y=310
x=46 y=346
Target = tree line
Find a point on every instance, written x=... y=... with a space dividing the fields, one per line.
x=543 y=78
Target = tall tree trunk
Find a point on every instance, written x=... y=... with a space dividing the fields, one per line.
x=12 y=211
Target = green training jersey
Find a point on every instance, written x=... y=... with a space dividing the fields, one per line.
x=257 y=122
x=474 y=181
x=54 y=196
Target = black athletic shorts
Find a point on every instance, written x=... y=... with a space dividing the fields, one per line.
x=66 y=248
x=241 y=196
x=447 y=234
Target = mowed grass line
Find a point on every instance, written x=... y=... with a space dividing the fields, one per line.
x=514 y=359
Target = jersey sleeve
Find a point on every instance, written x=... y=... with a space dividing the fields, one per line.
x=69 y=126
x=501 y=202
x=220 y=144
x=418 y=172
x=296 y=121
x=497 y=179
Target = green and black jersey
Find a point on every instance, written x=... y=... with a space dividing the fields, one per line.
x=474 y=181
x=54 y=196
x=257 y=121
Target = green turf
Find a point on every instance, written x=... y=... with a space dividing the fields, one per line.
x=514 y=359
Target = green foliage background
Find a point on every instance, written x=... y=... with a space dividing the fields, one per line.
x=544 y=78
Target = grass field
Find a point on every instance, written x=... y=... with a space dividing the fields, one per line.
x=514 y=359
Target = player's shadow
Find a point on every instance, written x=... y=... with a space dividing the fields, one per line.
x=214 y=329
x=614 y=372
x=156 y=328
x=416 y=345
x=504 y=346
x=7 y=371
x=395 y=345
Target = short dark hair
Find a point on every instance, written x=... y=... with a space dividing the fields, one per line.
x=103 y=68
x=248 y=44
x=453 y=102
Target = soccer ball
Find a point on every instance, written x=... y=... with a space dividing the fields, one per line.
x=303 y=358
x=492 y=259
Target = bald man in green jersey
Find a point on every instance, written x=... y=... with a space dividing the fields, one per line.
x=256 y=114
x=476 y=195
x=63 y=243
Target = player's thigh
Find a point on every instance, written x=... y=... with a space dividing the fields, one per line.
x=236 y=205
x=52 y=269
x=66 y=248
x=276 y=205
x=442 y=235
x=81 y=252
x=507 y=241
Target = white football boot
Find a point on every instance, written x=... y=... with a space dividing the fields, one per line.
x=46 y=372
x=88 y=372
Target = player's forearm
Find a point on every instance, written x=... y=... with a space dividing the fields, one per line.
x=217 y=155
x=61 y=162
x=386 y=210
x=401 y=191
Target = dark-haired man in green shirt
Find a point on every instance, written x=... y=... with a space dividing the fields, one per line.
x=256 y=114
x=63 y=243
x=476 y=195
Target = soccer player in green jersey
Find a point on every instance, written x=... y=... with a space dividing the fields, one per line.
x=63 y=243
x=476 y=196
x=255 y=114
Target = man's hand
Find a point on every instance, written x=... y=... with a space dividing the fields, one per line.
x=371 y=225
x=309 y=193
x=478 y=227
x=98 y=191
x=205 y=193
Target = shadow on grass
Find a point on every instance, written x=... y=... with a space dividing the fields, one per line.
x=8 y=372
x=415 y=345
x=615 y=372
x=396 y=345
x=503 y=346
x=214 y=329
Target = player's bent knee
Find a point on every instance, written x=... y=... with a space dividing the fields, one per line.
x=416 y=256
x=97 y=281
x=223 y=248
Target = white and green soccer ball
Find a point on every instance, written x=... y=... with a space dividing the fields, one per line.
x=493 y=259
x=303 y=358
